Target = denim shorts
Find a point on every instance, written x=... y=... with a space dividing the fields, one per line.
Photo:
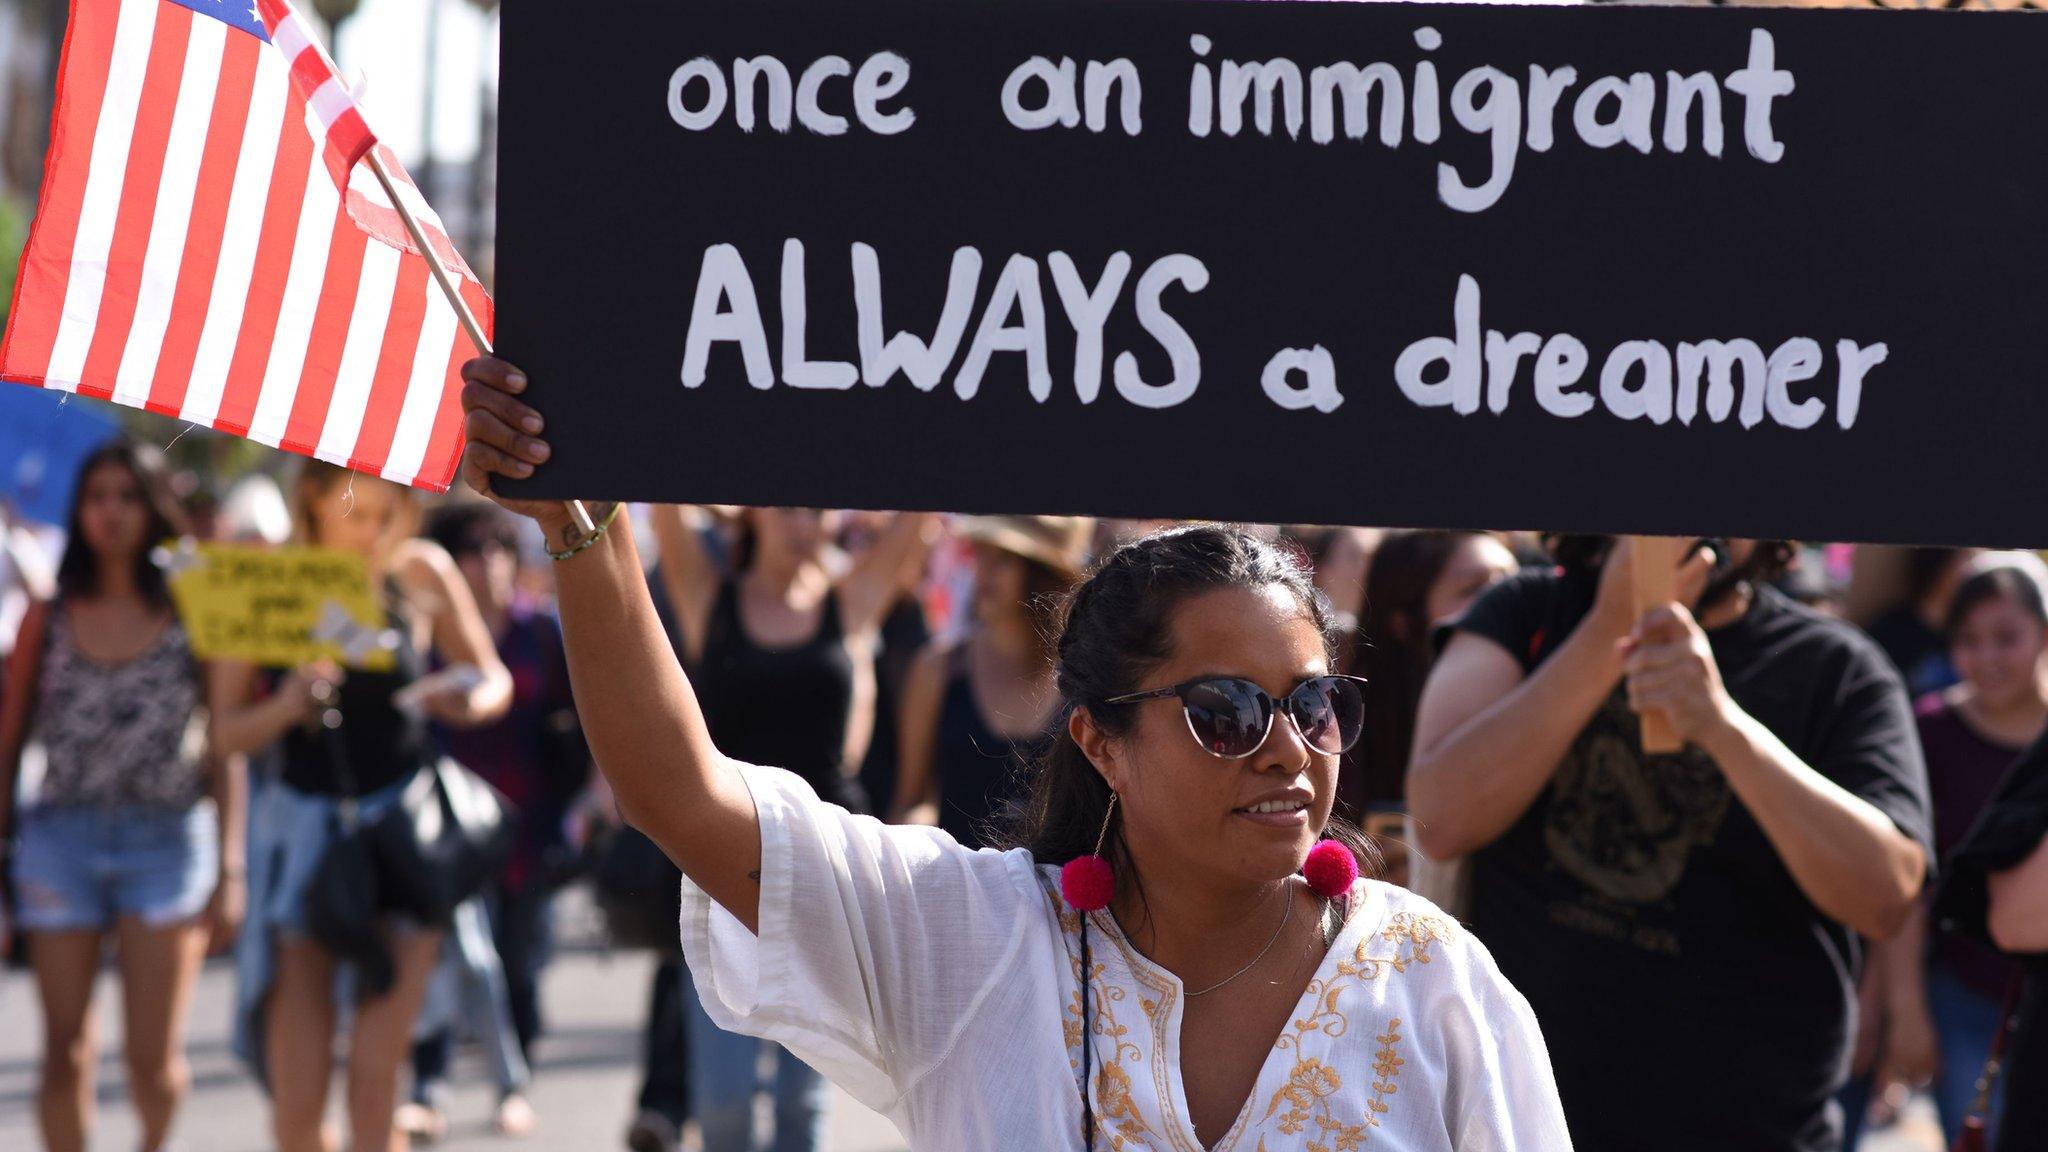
x=78 y=868
x=290 y=835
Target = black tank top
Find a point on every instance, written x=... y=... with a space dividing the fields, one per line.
x=979 y=771
x=781 y=707
x=379 y=744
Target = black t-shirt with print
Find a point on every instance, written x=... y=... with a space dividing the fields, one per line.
x=1691 y=996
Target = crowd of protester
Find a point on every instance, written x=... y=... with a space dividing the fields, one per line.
x=1834 y=897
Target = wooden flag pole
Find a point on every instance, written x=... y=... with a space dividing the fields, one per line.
x=1656 y=576
x=577 y=513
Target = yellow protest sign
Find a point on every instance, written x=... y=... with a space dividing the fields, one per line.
x=279 y=607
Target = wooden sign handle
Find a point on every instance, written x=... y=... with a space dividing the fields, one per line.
x=1656 y=576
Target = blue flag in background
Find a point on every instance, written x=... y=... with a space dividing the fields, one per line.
x=44 y=437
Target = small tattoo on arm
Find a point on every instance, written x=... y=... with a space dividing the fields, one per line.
x=755 y=875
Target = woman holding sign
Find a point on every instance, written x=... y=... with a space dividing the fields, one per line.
x=1178 y=953
x=347 y=738
x=117 y=838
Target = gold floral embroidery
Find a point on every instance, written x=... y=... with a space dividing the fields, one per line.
x=1120 y=1124
x=1306 y=1105
x=1158 y=1011
x=1386 y=1065
x=1115 y=1110
x=1313 y=1084
x=1307 y=1095
x=1102 y=1009
x=1412 y=937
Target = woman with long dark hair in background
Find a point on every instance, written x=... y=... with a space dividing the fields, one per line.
x=133 y=831
x=782 y=649
x=1416 y=580
x=1174 y=955
x=346 y=743
x=979 y=706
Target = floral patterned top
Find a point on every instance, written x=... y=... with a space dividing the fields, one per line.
x=119 y=734
x=941 y=987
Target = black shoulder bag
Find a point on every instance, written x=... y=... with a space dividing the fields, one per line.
x=422 y=856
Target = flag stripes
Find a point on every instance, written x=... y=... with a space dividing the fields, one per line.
x=209 y=245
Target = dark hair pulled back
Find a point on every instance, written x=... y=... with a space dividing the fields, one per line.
x=1395 y=653
x=1114 y=630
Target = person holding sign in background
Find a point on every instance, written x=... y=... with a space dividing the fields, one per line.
x=784 y=655
x=132 y=830
x=1044 y=997
x=287 y=1013
x=1706 y=906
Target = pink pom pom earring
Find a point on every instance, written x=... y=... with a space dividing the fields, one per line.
x=1331 y=869
x=1088 y=882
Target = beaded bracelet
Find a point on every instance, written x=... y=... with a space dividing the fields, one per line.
x=591 y=539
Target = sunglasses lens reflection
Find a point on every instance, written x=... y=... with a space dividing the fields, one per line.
x=1330 y=713
x=1229 y=717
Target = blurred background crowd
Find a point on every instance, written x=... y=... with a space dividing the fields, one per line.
x=898 y=662
x=915 y=649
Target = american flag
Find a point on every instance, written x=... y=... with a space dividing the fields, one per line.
x=212 y=245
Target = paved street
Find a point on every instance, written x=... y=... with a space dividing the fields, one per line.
x=583 y=1089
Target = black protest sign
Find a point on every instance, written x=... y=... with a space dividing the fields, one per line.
x=1685 y=271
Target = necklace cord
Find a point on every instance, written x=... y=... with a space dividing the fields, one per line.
x=1286 y=914
x=1087 y=1044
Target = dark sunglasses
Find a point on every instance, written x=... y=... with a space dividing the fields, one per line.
x=1231 y=717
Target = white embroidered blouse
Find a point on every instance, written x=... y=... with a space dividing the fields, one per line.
x=940 y=986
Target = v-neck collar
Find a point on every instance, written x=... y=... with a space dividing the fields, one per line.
x=1369 y=909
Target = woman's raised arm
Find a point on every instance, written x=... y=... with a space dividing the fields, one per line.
x=880 y=570
x=460 y=636
x=639 y=712
x=917 y=735
x=688 y=573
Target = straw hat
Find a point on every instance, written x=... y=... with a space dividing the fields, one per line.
x=1058 y=542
